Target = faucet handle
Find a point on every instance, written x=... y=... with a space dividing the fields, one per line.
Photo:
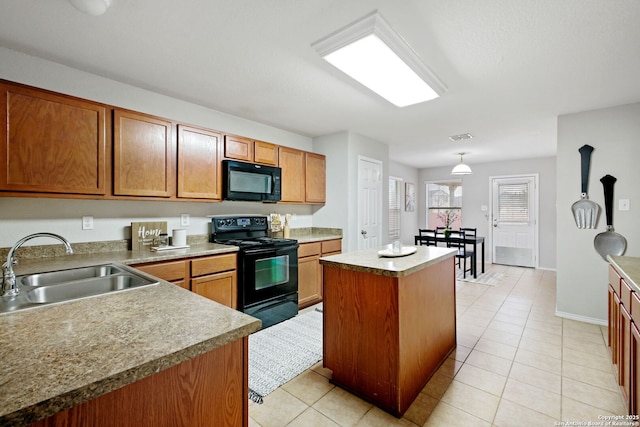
x=14 y=261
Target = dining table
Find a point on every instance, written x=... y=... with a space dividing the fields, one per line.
x=468 y=240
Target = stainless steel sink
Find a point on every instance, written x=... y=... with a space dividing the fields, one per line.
x=53 y=277
x=66 y=285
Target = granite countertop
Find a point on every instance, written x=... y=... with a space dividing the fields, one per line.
x=34 y=265
x=60 y=355
x=369 y=261
x=316 y=237
x=629 y=268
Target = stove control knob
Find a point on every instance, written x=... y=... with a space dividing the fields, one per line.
x=229 y=222
x=220 y=222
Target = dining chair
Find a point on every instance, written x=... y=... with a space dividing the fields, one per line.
x=456 y=241
x=470 y=232
x=425 y=232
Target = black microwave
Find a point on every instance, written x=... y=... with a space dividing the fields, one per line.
x=251 y=182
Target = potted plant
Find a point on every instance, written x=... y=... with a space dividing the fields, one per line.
x=448 y=217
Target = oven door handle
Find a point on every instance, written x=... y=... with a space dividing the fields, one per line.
x=275 y=251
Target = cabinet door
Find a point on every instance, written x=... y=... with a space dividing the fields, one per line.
x=265 y=153
x=292 y=163
x=143 y=155
x=220 y=287
x=198 y=163
x=309 y=281
x=238 y=148
x=51 y=143
x=612 y=330
x=634 y=405
x=624 y=360
x=315 y=167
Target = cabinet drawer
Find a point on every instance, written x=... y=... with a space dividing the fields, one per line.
x=614 y=279
x=169 y=271
x=213 y=264
x=331 y=246
x=309 y=249
x=625 y=296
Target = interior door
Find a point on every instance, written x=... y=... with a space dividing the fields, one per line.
x=514 y=214
x=369 y=203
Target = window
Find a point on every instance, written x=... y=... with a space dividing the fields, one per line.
x=395 y=204
x=444 y=204
x=513 y=203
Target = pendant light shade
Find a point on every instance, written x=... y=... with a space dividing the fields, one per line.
x=461 y=168
x=91 y=7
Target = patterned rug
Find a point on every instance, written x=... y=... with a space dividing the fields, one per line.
x=491 y=278
x=283 y=351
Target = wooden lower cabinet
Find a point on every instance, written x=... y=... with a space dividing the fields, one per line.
x=213 y=277
x=176 y=272
x=220 y=287
x=310 y=270
x=624 y=336
x=209 y=390
x=409 y=331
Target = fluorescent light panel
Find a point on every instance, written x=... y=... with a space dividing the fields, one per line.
x=372 y=53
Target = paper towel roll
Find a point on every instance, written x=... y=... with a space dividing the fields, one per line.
x=179 y=237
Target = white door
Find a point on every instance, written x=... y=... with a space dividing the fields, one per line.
x=514 y=214
x=369 y=203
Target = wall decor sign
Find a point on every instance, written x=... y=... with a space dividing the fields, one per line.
x=409 y=197
x=144 y=233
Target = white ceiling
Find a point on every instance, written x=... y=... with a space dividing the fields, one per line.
x=511 y=66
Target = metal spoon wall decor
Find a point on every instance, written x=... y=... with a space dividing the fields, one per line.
x=609 y=242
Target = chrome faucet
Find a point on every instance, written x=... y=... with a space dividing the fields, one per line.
x=9 y=286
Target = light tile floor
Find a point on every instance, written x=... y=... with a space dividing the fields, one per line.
x=516 y=364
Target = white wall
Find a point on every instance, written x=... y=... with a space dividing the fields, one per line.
x=582 y=273
x=19 y=217
x=476 y=193
x=343 y=150
x=408 y=220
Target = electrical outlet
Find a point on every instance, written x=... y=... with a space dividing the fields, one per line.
x=87 y=223
x=184 y=220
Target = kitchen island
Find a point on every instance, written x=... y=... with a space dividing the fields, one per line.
x=389 y=323
x=153 y=356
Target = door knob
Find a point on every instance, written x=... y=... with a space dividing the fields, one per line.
x=495 y=222
x=363 y=232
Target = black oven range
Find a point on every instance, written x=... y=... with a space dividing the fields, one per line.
x=267 y=267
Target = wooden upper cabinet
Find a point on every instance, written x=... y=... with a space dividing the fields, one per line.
x=315 y=172
x=51 y=143
x=248 y=150
x=199 y=172
x=238 y=148
x=143 y=155
x=265 y=153
x=292 y=164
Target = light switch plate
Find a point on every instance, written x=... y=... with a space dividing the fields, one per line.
x=184 y=220
x=623 y=204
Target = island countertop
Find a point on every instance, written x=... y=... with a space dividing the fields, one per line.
x=58 y=356
x=369 y=261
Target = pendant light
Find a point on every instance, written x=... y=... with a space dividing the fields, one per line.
x=461 y=168
x=91 y=7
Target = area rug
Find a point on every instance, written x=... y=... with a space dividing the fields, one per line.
x=283 y=351
x=491 y=278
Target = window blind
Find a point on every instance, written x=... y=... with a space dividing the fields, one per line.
x=513 y=203
x=395 y=204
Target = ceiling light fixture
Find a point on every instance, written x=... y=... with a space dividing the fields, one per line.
x=370 y=51
x=461 y=168
x=92 y=7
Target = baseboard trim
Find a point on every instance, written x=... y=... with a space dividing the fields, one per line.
x=571 y=316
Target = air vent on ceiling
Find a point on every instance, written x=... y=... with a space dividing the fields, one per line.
x=461 y=137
